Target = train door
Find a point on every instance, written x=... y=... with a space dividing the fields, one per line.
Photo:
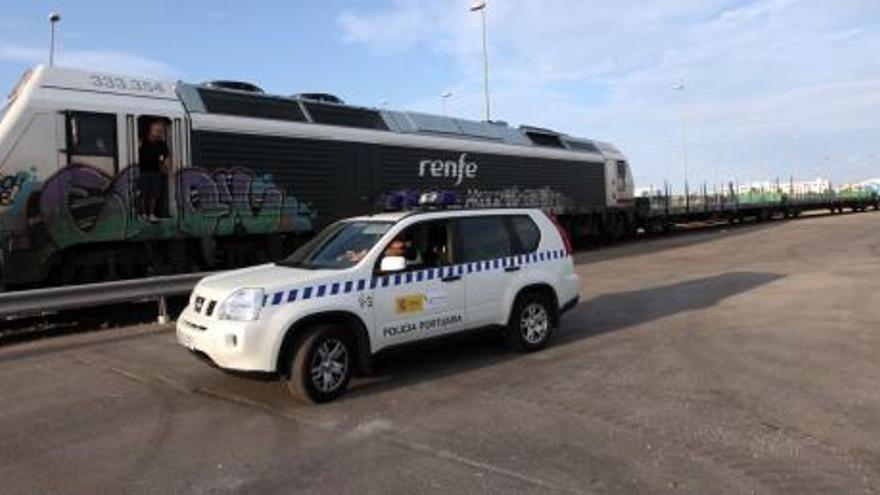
x=157 y=151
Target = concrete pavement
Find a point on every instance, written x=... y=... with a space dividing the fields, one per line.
x=731 y=361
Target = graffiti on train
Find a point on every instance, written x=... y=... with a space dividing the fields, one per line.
x=236 y=200
x=12 y=187
x=83 y=204
x=544 y=197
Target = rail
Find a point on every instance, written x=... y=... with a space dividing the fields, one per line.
x=41 y=301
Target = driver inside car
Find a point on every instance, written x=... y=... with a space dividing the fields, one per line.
x=404 y=246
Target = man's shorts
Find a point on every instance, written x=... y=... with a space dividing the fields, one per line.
x=150 y=184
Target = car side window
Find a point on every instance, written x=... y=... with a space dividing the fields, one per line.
x=484 y=238
x=423 y=245
x=527 y=233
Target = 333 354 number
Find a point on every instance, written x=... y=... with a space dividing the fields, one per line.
x=127 y=84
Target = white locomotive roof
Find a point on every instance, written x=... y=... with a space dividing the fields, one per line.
x=496 y=135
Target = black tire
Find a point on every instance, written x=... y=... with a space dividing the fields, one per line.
x=319 y=347
x=531 y=305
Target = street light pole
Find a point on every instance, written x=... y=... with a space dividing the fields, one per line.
x=684 y=145
x=480 y=5
x=53 y=19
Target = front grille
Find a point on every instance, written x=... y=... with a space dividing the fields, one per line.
x=210 y=310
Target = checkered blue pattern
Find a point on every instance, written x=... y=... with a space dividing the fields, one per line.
x=330 y=289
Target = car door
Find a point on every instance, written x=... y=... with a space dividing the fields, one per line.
x=427 y=298
x=487 y=245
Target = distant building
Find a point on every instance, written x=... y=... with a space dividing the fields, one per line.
x=815 y=186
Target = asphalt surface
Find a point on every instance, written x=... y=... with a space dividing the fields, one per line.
x=738 y=361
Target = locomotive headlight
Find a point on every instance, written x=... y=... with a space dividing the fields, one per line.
x=242 y=305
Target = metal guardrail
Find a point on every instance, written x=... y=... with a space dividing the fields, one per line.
x=39 y=301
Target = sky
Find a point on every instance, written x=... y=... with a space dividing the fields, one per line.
x=729 y=90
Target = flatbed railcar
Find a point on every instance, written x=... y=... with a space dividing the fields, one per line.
x=663 y=211
x=252 y=175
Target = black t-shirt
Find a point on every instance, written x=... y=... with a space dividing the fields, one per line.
x=152 y=155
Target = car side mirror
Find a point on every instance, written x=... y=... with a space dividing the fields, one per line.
x=392 y=264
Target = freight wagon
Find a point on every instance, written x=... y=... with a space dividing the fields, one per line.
x=252 y=175
x=663 y=211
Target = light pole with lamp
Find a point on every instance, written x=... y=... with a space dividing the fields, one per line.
x=54 y=18
x=480 y=5
x=684 y=145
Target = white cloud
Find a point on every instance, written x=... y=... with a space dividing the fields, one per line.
x=756 y=73
x=103 y=60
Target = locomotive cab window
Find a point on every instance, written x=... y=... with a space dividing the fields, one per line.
x=91 y=141
x=621 y=170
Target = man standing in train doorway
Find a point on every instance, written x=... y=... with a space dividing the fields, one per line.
x=152 y=158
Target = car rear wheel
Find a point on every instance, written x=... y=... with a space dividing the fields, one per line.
x=322 y=365
x=531 y=323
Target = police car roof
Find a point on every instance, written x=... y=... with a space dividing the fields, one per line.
x=397 y=216
x=392 y=216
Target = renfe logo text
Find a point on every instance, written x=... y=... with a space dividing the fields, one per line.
x=450 y=169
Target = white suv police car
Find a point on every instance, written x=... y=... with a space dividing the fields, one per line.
x=367 y=284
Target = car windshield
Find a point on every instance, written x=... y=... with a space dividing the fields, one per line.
x=339 y=246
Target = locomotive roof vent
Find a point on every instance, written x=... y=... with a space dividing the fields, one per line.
x=538 y=130
x=582 y=145
x=234 y=85
x=322 y=97
x=542 y=137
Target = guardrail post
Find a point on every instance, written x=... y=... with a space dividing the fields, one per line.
x=163 y=311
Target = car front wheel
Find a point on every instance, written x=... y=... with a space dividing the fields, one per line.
x=322 y=365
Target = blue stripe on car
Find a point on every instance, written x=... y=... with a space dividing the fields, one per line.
x=428 y=274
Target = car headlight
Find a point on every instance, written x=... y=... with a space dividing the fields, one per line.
x=242 y=305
